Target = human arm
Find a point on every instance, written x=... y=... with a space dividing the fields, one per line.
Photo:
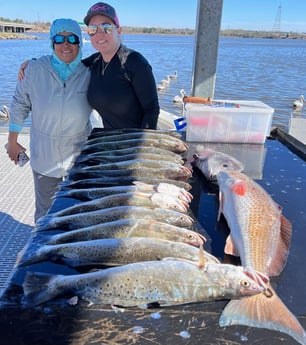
x=19 y=111
x=22 y=68
x=13 y=148
x=90 y=59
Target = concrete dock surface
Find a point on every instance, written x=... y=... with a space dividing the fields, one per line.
x=16 y=208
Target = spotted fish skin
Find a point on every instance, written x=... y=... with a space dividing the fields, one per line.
x=85 y=219
x=127 y=199
x=167 y=282
x=129 y=228
x=87 y=194
x=109 y=252
x=177 y=146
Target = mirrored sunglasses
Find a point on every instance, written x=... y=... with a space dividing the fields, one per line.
x=107 y=28
x=60 y=39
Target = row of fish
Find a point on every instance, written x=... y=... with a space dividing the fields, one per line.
x=131 y=223
x=138 y=233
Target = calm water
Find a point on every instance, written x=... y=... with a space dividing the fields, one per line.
x=267 y=70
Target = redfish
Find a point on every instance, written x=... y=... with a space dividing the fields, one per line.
x=260 y=235
x=210 y=162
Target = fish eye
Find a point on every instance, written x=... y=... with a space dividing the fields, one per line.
x=244 y=283
x=225 y=165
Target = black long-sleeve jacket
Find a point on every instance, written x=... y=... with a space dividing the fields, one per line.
x=124 y=95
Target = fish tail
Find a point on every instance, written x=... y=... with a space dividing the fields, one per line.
x=38 y=288
x=28 y=255
x=44 y=223
x=61 y=193
x=265 y=310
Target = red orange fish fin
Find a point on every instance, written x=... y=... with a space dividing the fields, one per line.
x=230 y=247
x=263 y=311
x=279 y=260
x=239 y=188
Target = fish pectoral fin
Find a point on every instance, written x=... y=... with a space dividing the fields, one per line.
x=230 y=247
x=263 y=311
x=202 y=259
x=282 y=250
x=143 y=185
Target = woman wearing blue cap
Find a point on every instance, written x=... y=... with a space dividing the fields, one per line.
x=54 y=91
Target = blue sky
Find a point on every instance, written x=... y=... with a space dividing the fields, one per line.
x=237 y=14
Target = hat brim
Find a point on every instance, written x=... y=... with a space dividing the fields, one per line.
x=89 y=16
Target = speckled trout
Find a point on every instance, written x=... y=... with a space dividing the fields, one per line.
x=181 y=173
x=98 y=157
x=96 y=192
x=177 y=146
x=260 y=235
x=132 y=135
x=127 y=199
x=131 y=164
x=109 y=252
x=79 y=220
x=129 y=228
x=167 y=282
x=106 y=181
x=106 y=132
x=138 y=150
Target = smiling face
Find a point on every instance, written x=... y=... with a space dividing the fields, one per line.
x=106 y=43
x=66 y=52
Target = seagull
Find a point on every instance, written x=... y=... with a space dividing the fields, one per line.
x=165 y=82
x=161 y=87
x=298 y=104
x=4 y=114
x=173 y=76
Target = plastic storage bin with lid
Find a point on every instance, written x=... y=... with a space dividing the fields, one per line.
x=228 y=121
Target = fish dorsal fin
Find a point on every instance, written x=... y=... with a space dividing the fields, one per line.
x=281 y=253
x=230 y=247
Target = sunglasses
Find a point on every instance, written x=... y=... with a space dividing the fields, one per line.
x=60 y=39
x=107 y=28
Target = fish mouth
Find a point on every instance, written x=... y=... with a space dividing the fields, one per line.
x=261 y=279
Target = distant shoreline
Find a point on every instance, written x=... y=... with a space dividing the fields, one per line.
x=174 y=32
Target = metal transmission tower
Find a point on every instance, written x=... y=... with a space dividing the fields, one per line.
x=277 y=21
